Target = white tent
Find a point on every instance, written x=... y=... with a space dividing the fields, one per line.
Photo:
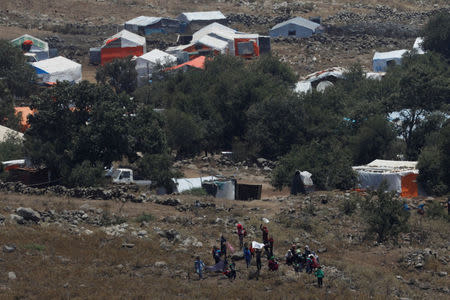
x=187 y=184
x=6 y=132
x=145 y=64
x=201 y=16
x=212 y=28
x=400 y=176
x=125 y=39
x=381 y=60
x=58 y=69
x=418 y=45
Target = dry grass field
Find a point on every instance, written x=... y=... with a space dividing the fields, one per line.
x=60 y=260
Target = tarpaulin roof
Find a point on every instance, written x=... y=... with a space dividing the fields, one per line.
x=157 y=56
x=186 y=184
x=6 y=132
x=337 y=72
x=388 y=166
x=201 y=16
x=198 y=62
x=213 y=42
x=25 y=111
x=128 y=39
x=36 y=42
x=212 y=28
x=298 y=21
x=143 y=21
x=389 y=55
x=58 y=68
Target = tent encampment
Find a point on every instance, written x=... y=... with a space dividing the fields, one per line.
x=58 y=69
x=145 y=64
x=400 y=176
x=297 y=27
x=381 y=60
x=35 y=45
x=122 y=44
x=198 y=63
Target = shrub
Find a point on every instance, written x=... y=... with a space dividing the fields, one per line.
x=435 y=210
x=196 y=192
x=144 y=217
x=158 y=168
x=36 y=247
x=348 y=206
x=384 y=214
x=86 y=174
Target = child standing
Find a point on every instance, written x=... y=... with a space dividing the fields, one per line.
x=199 y=266
x=319 y=274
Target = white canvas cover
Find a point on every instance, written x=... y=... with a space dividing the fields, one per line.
x=58 y=69
x=6 y=132
x=214 y=43
x=370 y=176
x=418 y=45
x=337 y=72
x=212 y=28
x=303 y=87
x=381 y=59
x=187 y=184
x=201 y=16
x=128 y=39
x=256 y=245
x=153 y=58
x=306 y=178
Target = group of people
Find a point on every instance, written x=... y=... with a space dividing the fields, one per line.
x=307 y=260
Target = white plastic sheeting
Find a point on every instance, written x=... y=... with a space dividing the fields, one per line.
x=128 y=39
x=370 y=176
x=382 y=59
x=145 y=63
x=6 y=132
x=256 y=245
x=201 y=16
x=303 y=87
x=58 y=69
x=212 y=28
x=187 y=184
x=306 y=178
x=418 y=45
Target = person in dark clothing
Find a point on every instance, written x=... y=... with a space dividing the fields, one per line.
x=319 y=274
x=273 y=264
x=247 y=255
x=241 y=233
x=216 y=254
x=448 y=205
x=258 y=259
x=271 y=246
x=297 y=184
x=265 y=233
x=199 y=266
x=307 y=251
x=223 y=246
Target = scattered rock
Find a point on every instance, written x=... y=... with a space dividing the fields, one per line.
x=442 y=274
x=16 y=218
x=322 y=250
x=160 y=264
x=28 y=214
x=127 y=245
x=12 y=276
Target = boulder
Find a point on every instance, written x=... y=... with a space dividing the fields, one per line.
x=160 y=264
x=9 y=248
x=12 y=276
x=16 y=218
x=28 y=214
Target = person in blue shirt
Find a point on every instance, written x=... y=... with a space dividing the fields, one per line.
x=247 y=255
x=199 y=266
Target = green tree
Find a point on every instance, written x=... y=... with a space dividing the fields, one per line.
x=82 y=122
x=327 y=161
x=121 y=74
x=11 y=148
x=16 y=82
x=384 y=214
x=158 y=168
x=436 y=34
x=373 y=140
x=422 y=86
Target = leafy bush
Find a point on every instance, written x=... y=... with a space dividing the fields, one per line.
x=36 y=247
x=348 y=206
x=196 y=192
x=11 y=148
x=144 y=217
x=437 y=34
x=158 y=168
x=384 y=214
x=328 y=162
x=121 y=74
x=436 y=210
x=86 y=174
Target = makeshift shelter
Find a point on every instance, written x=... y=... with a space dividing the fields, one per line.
x=418 y=45
x=220 y=188
x=58 y=69
x=198 y=63
x=400 y=176
x=296 y=27
x=33 y=45
x=381 y=60
x=6 y=133
x=248 y=191
x=193 y=21
x=24 y=112
x=145 y=26
x=187 y=184
x=122 y=44
x=146 y=63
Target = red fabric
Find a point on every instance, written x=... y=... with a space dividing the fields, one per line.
x=255 y=48
x=109 y=54
x=199 y=63
x=25 y=111
x=409 y=186
x=28 y=42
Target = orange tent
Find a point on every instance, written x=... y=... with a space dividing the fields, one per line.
x=409 y=186
x=25 y=111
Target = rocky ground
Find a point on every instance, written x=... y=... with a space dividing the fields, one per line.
x=125 y=242
x=354 y=30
